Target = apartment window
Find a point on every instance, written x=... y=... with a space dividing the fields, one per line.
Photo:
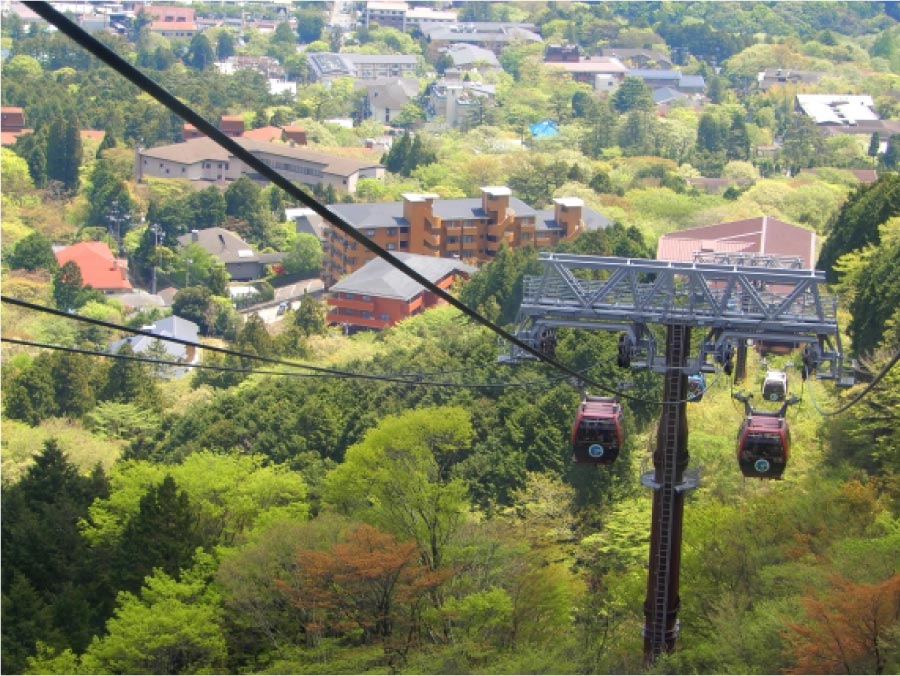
x=404 y=244
x=468 y=239
x=385 y=317
x=391 y=246
x=347 y=296
x=370 y=232
x=404 y=230
x=452 y=240
x=392 y=232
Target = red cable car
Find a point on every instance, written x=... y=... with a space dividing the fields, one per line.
x=597 y=431
x=763 y=444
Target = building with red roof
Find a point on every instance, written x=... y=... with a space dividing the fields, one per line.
x=761 y=235
x=12 y=124
x=100 y=269
x=172 y=22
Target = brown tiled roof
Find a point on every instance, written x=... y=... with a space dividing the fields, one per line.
x=762 y=235
x=267 y=134
x=203 y=148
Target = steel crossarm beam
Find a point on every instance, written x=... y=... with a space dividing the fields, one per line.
x=754 y=300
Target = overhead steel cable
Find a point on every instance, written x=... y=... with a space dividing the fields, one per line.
x=881 y=374
x=414 y=379
x=190 y=343
x=117 y=63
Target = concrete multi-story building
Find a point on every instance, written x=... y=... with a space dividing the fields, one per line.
x=458 y=101
x=494 y=36
x=202 y=159
x=466 y=229
x=327 y=66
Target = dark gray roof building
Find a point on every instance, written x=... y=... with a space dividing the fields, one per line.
x=380 y=278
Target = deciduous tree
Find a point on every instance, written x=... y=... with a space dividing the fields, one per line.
x=851 y=628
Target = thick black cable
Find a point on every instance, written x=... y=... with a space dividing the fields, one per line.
x=125 y=69
x=147 y=85
x=881 y=374
x=415 y=380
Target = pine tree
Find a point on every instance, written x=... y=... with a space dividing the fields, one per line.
x=160 y=535
x=31 y=397
x=64 y=153
x=67 y=284
x=73 y=377
x=129 y=381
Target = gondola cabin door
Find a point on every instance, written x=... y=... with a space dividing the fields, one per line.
x=597 y=431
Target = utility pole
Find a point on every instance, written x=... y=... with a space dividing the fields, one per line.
x=156 y=230
x=760 y=298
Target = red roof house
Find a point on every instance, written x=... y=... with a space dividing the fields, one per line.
x=172 y=22
x=99 y=267
x=760 y=235
x=12 y=124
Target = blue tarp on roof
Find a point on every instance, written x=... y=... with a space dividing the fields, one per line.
x=545 y=128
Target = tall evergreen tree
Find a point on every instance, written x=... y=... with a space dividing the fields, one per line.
x=64 y=152
x=856 y=224
x=160 y=535
x=42 y=543
x=200 y=54
x=129 y=381
x=67 y=285
x=31 y=396
x=74 y=379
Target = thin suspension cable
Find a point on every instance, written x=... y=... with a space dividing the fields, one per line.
x=416 y=380
x=189 y=343
x=402 y=378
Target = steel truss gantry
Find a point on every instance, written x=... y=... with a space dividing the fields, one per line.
x=732 y=303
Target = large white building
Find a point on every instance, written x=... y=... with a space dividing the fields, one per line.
x=202 y=159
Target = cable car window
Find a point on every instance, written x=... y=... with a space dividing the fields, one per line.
x=769 y=445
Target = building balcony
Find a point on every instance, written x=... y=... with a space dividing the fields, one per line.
x=358 y=305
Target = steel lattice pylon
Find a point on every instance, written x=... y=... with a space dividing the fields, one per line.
x=733 y=303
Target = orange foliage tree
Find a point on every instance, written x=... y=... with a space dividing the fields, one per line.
x=852 y=629
x=369 y=583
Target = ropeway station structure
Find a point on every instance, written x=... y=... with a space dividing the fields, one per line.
x=760 y=299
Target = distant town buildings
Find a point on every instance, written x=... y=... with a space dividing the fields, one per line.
x=241 y=261
x=327 y=66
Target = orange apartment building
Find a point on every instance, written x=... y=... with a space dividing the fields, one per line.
x=465 y=229
x=378 y=295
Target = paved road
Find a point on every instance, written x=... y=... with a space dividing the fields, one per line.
x=291 y=294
